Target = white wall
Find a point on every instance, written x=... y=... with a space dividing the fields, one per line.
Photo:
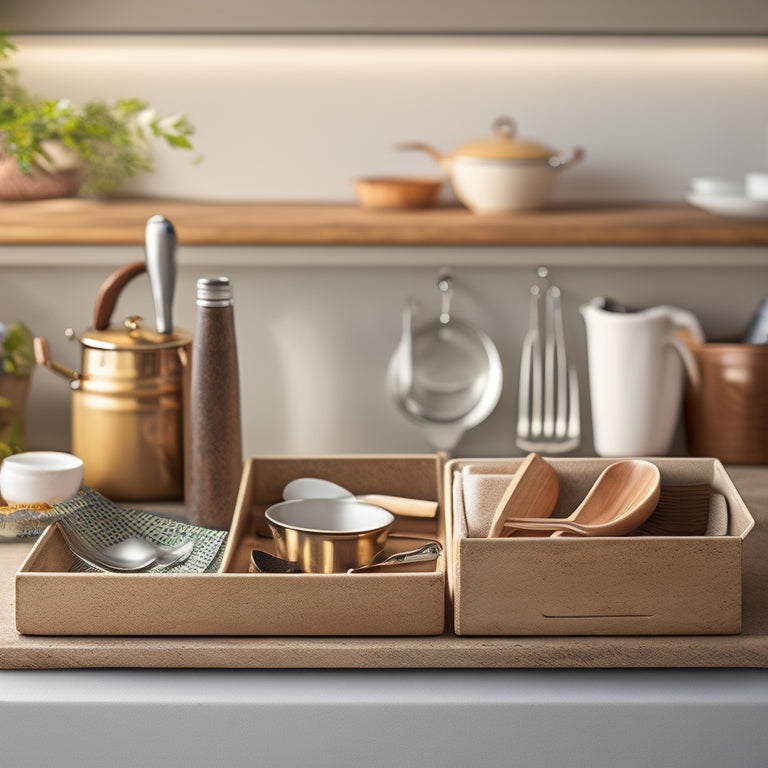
x=296 y=119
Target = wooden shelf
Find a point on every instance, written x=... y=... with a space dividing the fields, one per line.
x=122 y=221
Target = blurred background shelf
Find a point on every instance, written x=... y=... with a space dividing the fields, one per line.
x=121 y=222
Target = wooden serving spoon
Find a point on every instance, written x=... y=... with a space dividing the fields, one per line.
x=622 y=498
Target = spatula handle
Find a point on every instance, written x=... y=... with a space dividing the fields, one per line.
x=402 y=506
x=161 y=267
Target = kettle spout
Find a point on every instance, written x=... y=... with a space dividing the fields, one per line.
x=43 y=357
x=443 y=160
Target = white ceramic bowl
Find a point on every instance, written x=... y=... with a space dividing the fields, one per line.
x=757 y=185
x=38 y=477
x=716 y=185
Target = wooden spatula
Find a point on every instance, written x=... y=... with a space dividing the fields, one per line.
x=532 y=492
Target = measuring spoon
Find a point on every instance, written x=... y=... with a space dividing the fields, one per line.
x=315 y=488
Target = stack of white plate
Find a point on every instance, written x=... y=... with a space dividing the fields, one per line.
x=745 y=199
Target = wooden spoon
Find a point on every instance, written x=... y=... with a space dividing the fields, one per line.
x=533 y=491
x=622 y=498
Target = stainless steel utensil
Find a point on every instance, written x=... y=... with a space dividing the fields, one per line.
x=160 y=247
x=453 y=372
x=130 y=554
x=424 y=554
x=548 y=418
x=264 y=562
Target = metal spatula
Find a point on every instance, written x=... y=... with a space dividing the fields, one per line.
x=548 y=419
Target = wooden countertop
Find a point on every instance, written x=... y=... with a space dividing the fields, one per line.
x=749 y=649
x=79 y=221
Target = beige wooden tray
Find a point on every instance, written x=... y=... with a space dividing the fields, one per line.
x=641 y=585
x=52 y=601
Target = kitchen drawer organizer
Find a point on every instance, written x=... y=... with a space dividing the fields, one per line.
x=627 y=585
x=52 y=601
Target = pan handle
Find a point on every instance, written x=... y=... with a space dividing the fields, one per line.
x=110 y=289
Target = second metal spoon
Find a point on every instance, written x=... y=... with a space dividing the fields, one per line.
x=264 y=562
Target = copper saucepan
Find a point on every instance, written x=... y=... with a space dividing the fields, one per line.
x=130 y=399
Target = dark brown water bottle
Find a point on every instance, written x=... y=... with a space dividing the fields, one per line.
x=215 y=433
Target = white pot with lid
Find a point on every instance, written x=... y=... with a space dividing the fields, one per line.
x=502 y=173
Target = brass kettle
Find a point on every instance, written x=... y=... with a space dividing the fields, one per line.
x=130 y=401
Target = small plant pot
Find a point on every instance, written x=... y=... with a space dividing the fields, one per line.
x=14 y=393
x=38 y=184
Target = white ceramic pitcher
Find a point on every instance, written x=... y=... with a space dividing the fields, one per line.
x=637 y=363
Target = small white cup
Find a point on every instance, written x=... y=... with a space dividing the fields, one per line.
x=37 y=477
x=756 y=185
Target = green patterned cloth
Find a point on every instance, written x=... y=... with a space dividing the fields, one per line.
x=102 y=522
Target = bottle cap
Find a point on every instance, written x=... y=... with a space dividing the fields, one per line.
x=214 y=292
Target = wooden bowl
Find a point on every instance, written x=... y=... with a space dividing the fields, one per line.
x=397 y=192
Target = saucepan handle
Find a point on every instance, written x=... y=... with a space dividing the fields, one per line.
x=561 y=163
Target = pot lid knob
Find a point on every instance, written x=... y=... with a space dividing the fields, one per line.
x=504 y=145
x=505 y=127
x=133 y=324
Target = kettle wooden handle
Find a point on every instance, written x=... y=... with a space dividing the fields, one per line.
x=110 y=289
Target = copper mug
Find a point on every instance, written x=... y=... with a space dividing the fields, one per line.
x=726 y=411
x=129 y=402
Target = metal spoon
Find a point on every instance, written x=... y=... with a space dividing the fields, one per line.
x=315 y=488
x=264 y=562
x=130 y=554
x=424 y=554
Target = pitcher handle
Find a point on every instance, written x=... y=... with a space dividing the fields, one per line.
x=686 y=321
x=689 y=362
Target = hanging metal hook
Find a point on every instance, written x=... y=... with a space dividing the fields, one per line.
x=445 y=284
x=543 y=274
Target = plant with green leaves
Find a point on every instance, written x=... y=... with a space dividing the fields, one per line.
x=17 y=355
x=111 y=141
x=17 y=360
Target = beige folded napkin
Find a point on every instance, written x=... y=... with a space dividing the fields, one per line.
x=481 y=496
x=717 y=525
